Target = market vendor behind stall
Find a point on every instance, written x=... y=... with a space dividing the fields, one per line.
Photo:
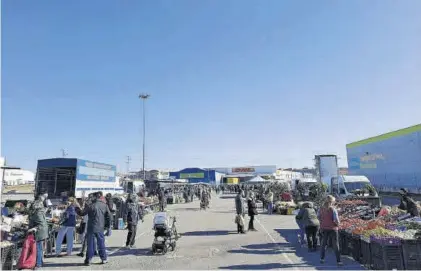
x=408 y=204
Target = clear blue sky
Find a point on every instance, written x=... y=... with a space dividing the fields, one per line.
x=232 y=82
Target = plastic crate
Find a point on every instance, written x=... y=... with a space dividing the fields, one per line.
x=7 y=257
x=386 y=257
x=356 y=248
x=343 y=242
x=365 y=258
x=411 y=250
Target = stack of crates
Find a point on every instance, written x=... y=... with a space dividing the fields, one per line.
x=343 y=245
x=386 y=257
x=356 y=247
x=365 y=253
x=412 y=254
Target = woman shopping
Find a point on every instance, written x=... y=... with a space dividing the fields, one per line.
x=38 y=224
x=329 y=225
x=307 y=217
x=68 y=224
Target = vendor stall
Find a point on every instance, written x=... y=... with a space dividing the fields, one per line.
x=380 y=238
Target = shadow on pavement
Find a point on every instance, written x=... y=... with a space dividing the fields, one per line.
x=264 y=249
x=133 y=251
x=63 y=264
x=312 y=259
x=189 y=209
x=265 y=266
x=207 y=233
x=228 y=197
x=225 y=212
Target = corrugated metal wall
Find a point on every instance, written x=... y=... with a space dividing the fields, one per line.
x=389 y=164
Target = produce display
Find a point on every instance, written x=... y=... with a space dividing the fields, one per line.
x=385 y=229
x=278 y=188
x=149 y=200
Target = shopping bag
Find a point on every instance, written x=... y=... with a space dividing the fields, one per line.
x=28 y=256
x=239 y=219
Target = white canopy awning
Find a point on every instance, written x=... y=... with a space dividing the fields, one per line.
x=258 y=179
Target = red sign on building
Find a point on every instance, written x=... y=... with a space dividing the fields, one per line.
x=243 y=170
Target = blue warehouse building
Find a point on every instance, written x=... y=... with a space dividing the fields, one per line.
x=197 y=175
x=390 y=161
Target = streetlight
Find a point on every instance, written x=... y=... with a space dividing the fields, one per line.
x=144 y=97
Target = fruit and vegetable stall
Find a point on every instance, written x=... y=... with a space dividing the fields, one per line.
x=380 y=238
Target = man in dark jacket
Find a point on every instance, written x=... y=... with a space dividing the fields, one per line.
x=99 y=218
x=240 y=210
x=252 y=211
x=161 y=198
x=403 y=192
x=131 y=217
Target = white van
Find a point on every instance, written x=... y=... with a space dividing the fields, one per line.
x=345 y=185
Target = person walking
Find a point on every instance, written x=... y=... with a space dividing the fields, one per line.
x=131 y=217
x=83 y=230
x=161 y=198
x=308 y=218
x=112 y=206
x=38 y=224
x=99 y=218
x=240 y=210
x=252 y=211
x=67 y=228
x=269 y=201
x=329 y=224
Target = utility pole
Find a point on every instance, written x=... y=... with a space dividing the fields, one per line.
x=63 y=153
x=144 y=97
x=128 y=163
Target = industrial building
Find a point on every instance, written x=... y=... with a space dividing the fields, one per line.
x=390 y=161
x=15 y=175
x=235 y=175
x=198 y=175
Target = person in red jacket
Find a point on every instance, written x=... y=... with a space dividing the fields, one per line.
x=329 y=225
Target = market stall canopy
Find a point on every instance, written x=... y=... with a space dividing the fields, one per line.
x=202 y=183
x=258 y=179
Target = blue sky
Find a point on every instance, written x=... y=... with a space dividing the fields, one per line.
x=232 y=83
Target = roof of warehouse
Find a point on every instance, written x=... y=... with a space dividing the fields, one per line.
x=385 y=136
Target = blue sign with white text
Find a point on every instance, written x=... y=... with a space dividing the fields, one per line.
x=95 y=172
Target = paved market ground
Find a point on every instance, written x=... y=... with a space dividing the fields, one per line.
x=209 y=241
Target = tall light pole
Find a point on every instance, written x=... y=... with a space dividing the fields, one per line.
x=128 y=163
x=144 y=97
x=63 y=153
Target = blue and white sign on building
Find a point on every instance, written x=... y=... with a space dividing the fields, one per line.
x=95 y=172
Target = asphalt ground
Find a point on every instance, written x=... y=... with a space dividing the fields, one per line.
x=209 y=241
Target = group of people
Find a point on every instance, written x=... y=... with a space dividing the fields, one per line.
x=97 y=214
x=241 y=211
x=326 y=222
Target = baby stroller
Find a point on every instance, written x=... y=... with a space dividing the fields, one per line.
x=165 y=233
x=204 y=204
